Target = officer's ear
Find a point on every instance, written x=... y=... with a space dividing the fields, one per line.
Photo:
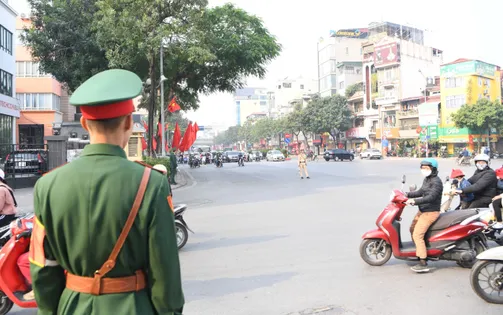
x=128 y=125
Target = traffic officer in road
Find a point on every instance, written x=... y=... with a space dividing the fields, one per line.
x=104 y=237
x=302 y=162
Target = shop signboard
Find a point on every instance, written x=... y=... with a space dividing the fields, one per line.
x=468 y=67
x=351 y=33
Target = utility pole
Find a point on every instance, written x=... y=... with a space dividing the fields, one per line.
x=163 y=131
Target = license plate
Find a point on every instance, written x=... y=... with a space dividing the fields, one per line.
x=21 y=164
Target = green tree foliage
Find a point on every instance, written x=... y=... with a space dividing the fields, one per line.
x=228 y=137
x=329 y=114
x=206 y=49
x=352 y=89
x=63 y=42
x=480 y=117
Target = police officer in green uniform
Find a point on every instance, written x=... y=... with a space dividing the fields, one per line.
x=173 y=165
x=104 y=237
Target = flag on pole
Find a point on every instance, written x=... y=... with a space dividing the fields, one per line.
x=177 y=136
x=187 y=136
x=143 y=144
x=173 y=105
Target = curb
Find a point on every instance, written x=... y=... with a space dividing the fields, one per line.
x=189 y=181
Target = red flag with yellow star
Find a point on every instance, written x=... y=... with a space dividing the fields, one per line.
x=173 y=105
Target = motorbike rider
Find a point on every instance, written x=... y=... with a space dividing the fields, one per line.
x=466 y=199
x=8 y=202
x=484 y=183
x=464 y=155
x=428 y=198
x=497 y=201
x=240 y=157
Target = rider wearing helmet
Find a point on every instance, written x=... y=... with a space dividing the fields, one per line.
x=428 y=198
x=484 y=183
x=497 y=203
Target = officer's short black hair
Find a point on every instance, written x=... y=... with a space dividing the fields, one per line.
x=106 y=125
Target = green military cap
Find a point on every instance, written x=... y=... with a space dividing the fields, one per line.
x=108 y=94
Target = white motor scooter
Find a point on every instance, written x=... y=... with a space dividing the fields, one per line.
x=487 y=275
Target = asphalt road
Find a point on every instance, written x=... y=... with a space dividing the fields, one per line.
x=270 y=243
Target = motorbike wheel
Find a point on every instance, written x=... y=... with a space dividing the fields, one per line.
x=5 y=304
x=368 y=249
x=181 y=235
x=492 y=279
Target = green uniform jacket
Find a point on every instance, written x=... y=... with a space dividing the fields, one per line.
x=173 y=163
x=84 y=206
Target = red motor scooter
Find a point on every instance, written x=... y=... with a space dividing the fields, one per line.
x=456 y=235
x=12 y=283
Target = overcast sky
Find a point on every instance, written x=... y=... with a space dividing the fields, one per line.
x=461 y=28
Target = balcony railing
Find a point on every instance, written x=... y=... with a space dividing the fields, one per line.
x=412 y=113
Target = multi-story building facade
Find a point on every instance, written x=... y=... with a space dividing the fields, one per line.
x=348 y=73
x=250 y=100
x=395 y=75
x=341 y=46
x=290 y=91
x=464 y=81
x=9 y=107
x=43 y=101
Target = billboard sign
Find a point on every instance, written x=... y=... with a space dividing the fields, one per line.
x=468 y=67
x=351 y=33
x=428 y=114
x=386 y=55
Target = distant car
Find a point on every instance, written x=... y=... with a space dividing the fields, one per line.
x=338 y=155
x=231 y=156
x=371 y=154
x=26 y=163
x=275 y=155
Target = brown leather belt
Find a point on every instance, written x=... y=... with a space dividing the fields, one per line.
x=108 y=285
x=98 y=285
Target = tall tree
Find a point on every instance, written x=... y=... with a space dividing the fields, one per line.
x=206 y=50
x=62 y=40
x=480 y=117
x=329 y=114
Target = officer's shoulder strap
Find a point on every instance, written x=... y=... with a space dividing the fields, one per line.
x=149 y=166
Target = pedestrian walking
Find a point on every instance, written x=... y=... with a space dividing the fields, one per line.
x=302 y=162
x=104 y=236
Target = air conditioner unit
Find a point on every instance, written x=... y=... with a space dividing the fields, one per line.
x=485 y=82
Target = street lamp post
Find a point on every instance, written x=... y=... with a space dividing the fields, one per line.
x=163 y=136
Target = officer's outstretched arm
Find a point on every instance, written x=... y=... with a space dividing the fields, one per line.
x=48 y=278
x=164 y=265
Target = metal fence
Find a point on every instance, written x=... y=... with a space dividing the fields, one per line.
x=23 y=164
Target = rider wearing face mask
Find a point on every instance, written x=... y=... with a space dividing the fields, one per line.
x=428 y=198
x=484 y=183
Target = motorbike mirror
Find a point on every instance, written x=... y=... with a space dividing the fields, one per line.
x=413 y=187
x=447 y=178
x=403 y=179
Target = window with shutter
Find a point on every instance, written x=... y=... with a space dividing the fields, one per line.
x=133 y=146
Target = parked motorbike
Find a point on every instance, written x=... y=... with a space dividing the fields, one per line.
x=486 y=277
x=13 y=285
x=456 y=236
x=181 y=226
